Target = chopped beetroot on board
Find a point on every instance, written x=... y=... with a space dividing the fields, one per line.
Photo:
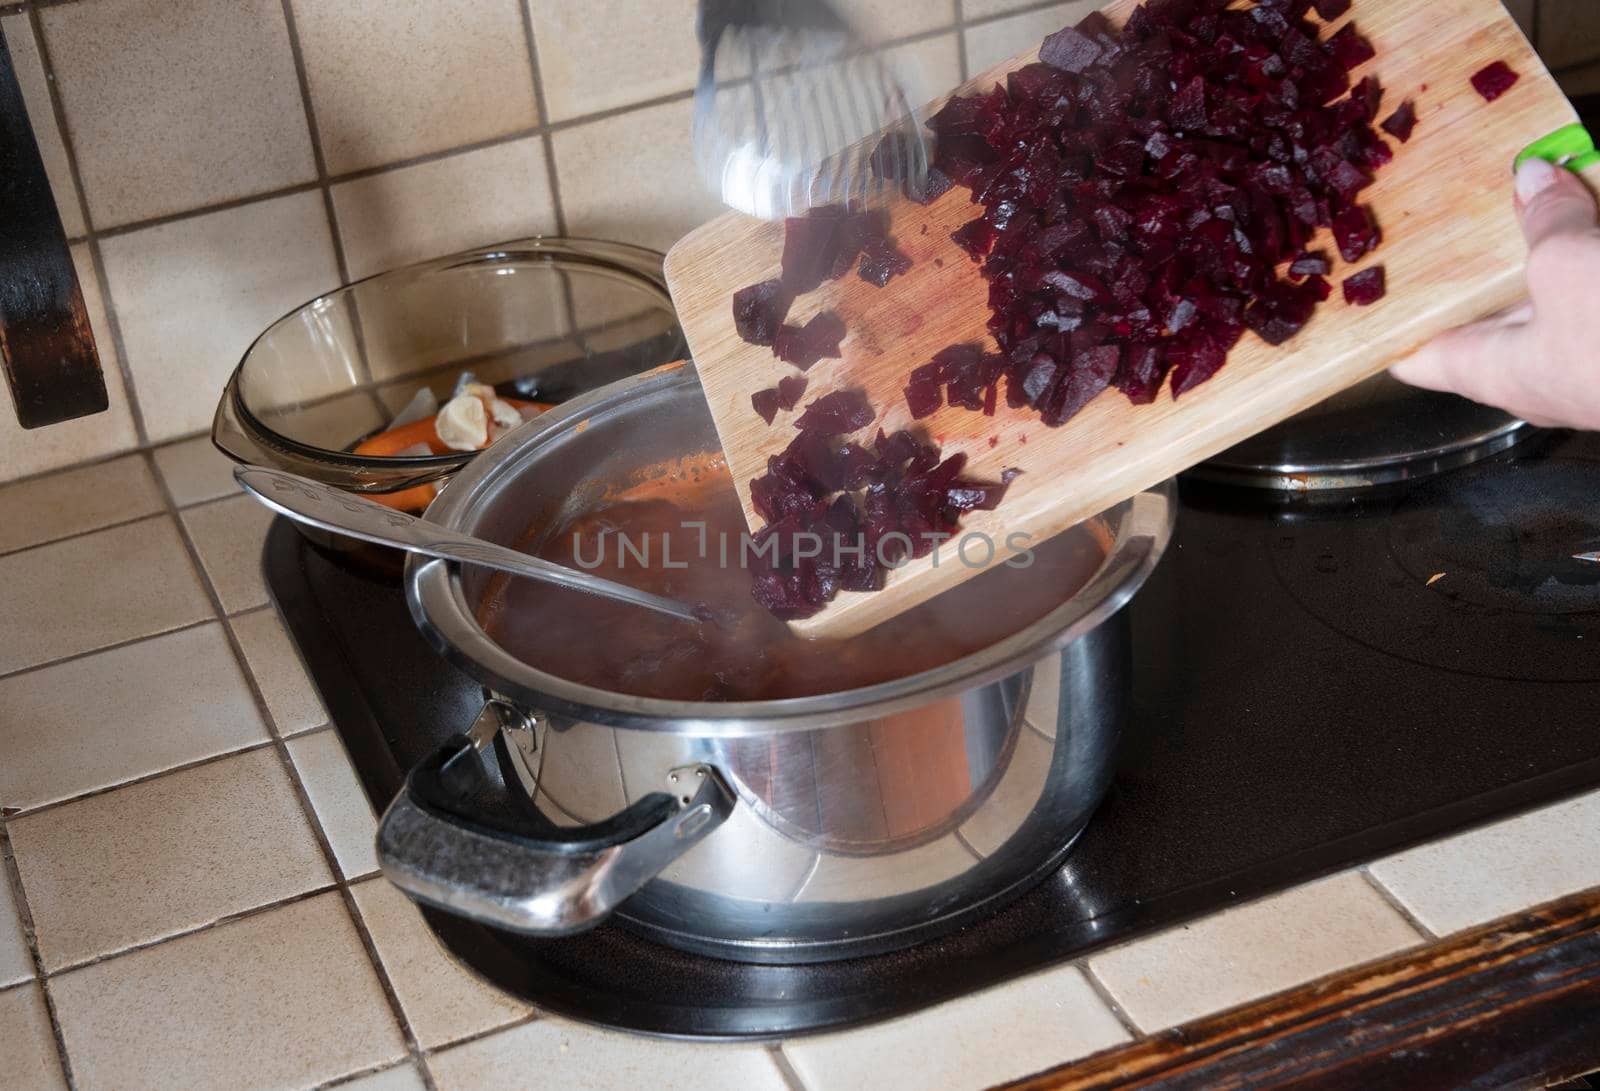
x=880 y=261
x=1349 y=48
x=758 y=311
x=811 y=246
x=1403 y=122
x=1355 y=232
x=1070 y=50
x=836 y=414
x=1365 y=287
x=1146 y=198
x=818 y=339
x=1140 y=192
x=1311 y=265
x=934 y=186
x=823 y=244
x=784 y=396
x=924 y=393
x=765 y=403
x=1494 y=81
x=857 y=510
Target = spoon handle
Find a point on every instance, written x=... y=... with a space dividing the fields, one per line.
x=319 y=505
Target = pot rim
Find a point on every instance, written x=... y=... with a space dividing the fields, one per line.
x=438 y=604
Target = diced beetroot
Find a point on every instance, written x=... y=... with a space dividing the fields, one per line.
x=1350 y=49
x=1091 y=372
x=1141 y=191
x=836 y=414
x=1311 y=265
x=935 y=185
x=1403 y=122
x=880 y=261
x=823 y=244
x=1494 y=81
x=975 y=237
x=925 y=391
x=1355 y=232
x=784 y=396
x=1280 y=312
x=758 y=311
x=1143 y=368
x=1070 y=49
x=765 y=403
x=1365 y=287
x=818 y=339
x=896 y=492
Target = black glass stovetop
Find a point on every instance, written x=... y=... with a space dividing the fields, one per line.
x=1317 y=682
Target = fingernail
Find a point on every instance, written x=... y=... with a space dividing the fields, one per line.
x=1534 y=177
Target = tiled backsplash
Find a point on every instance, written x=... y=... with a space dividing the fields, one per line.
x=218 y=162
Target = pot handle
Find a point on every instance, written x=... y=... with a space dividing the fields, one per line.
x=516 y=869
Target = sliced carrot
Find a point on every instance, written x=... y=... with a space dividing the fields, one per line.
x=413 y=499
x=390 y=443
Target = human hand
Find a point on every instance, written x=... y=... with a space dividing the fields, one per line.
x=1539 y=361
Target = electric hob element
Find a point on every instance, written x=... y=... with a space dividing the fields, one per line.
x=1316 y=683
x=1475 y=573
x=1375 y=433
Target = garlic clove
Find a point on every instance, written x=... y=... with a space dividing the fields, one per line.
x=463 y=424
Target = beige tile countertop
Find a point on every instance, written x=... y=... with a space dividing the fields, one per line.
x=189 y=896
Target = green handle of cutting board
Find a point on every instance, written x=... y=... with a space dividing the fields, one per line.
x=1571 y=147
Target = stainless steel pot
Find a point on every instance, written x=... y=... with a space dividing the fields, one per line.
x=789 y=830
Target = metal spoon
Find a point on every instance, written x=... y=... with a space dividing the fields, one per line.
x=319 y=505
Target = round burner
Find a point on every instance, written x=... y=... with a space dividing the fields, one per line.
x=1377 y=432
x=1473 y=572
x=1506 y=539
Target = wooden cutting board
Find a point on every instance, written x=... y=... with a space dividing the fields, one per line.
x=1452 y=247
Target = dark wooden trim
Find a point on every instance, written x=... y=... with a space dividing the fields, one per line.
x=46 y=345
x=1512 y=1004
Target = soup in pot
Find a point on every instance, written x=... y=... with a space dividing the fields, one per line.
x=680 y=535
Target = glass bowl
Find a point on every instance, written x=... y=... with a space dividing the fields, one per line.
x=540 y=319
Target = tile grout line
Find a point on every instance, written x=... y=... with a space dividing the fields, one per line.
x=1389 y=897
x=185 y=933
x=541 y=109
x=372 y=1070
x=20 y=671
x=90 y=238
x=19 y=894
x=548 y=128
x=146 y=778
x=97 y=460
x=168 y=218
x=330 y=211
x=75 y=535
x=1100 y=990
x=532 y=1016
x=308 y=809
x=964 y=68
x=542 y=112
x=314 y=135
